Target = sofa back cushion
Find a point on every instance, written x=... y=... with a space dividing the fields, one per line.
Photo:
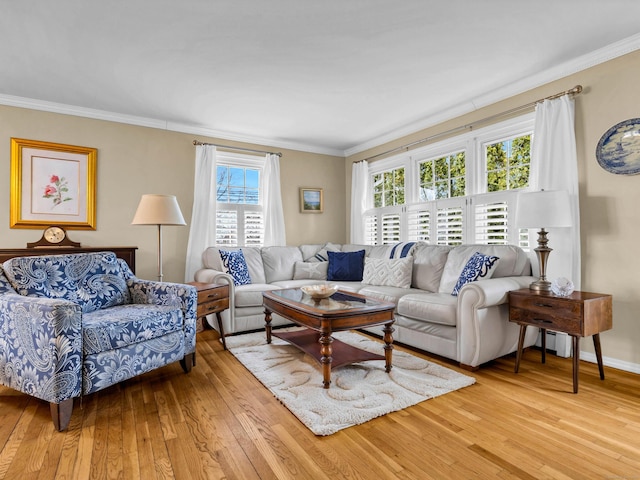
x=252 y=257
x=428 y=265
x=279 y=262
x=513 y=261
x=91 y=280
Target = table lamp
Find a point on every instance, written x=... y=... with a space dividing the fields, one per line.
x=158 y=210
x=543 y=209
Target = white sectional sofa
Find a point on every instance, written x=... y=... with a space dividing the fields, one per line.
x=471 y=328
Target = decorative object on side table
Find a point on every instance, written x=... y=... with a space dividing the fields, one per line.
x=213 y=298
x=52 y=183
x=543 y=209
x=158 y=210
x=561 y=286
x=54 y=236
x=618 y=150
x=579 y=314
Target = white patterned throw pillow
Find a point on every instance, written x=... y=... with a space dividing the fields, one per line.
x=310 y=270
x=391 y=273
x=478 y=266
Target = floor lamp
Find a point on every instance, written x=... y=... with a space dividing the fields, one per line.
x=158 y=210
x=550 y=208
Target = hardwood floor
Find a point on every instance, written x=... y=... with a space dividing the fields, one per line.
x=220 y=422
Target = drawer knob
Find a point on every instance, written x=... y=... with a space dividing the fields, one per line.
x=542 y=320
x=545 y=305
x=212 y=295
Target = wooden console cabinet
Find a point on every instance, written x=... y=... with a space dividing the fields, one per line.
x=128 y=254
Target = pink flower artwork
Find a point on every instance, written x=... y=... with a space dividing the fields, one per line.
x=57 y=190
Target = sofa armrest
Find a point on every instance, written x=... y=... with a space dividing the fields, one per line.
x=174 y=294
x=483 y=330
x=209 y=275
x=41 y=346
x=487 y=293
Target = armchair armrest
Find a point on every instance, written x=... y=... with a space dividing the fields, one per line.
x=174 y=294
x=41 y=346
x=491 y=292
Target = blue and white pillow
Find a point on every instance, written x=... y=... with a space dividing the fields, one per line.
x=402 y=250
x=234 y=264
x=478 y=266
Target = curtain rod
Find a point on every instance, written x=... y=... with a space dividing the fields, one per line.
x=196 y=142
x=573 y=91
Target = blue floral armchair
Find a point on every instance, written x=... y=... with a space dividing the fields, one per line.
x=74 y=324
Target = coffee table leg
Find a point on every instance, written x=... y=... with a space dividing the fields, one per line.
x=326 y=352
x=388 y=346
x=267 y=324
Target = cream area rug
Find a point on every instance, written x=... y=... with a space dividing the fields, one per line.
x=359 y=392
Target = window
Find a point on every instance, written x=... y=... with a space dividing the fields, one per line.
x=239 y=212
x=461 y=190
x=388 y=188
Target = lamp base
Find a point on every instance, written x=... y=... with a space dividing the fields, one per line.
x=540 y=286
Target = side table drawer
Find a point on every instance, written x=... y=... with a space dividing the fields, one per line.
x=212 y=306
x=547 y=320
x=211 y=294
x=557 y=307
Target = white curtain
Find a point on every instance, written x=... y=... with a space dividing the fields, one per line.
x=359 y=200
x=274 y=232
x=554 y=166
x=202 y=231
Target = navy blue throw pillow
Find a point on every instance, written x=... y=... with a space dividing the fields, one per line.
x=346 y=266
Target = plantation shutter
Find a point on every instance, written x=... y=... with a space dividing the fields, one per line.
x=491 y=223
x=449 y=226
x=226 y=228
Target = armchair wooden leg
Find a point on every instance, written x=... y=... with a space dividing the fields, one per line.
x=188 y=362
x=61 y=413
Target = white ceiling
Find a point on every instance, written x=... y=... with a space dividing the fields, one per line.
x=331 y=76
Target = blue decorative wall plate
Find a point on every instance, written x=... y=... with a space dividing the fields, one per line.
x=618 y=150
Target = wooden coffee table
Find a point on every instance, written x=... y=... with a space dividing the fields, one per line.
x=342 y=311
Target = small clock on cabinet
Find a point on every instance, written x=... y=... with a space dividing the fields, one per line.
x=54 y=236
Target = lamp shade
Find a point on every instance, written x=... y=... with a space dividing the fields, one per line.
x=543 y=209
x=158 y=210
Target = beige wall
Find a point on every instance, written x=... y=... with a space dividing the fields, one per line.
x=609 y=203
x=135 y=160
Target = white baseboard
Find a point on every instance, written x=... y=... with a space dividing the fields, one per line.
x=611 y=362
x=560 y=344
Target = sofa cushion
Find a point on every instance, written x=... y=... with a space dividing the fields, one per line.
x=428 y=265
x=252 y=256
x=310 y=270
x=389 y=272
x=429 y=307
x=92 y=280
x=347 y=266
x=321 y=254
x=478 y=266
x=279 y=262
x=251 y=295
x=117 y=327
x=234 y=264
x=386 y=294
x=402 y=249
x=513 y=262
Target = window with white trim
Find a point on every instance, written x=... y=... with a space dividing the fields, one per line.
x=459 y=191
x=239 y=209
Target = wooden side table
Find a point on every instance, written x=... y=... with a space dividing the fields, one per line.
x=581 y=314
x=212 y=298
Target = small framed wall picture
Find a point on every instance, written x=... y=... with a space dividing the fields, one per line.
x=311 y=200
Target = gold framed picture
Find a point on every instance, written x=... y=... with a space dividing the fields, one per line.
x=52 y=184
x=311 y=200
